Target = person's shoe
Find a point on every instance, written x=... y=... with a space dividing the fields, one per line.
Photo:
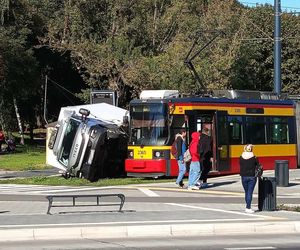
x=249 y=211
x=180 y=184
x=204 y=185
x=193 y=188
x=198 y=184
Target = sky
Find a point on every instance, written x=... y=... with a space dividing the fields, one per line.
x=286 y=5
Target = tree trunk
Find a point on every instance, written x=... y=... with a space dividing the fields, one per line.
x=31 y=132
x=3 y=9
x=66 y=21
x=2 y=120
x=19 y=122
x=154 y=23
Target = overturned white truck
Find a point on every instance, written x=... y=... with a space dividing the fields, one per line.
x=89 y=141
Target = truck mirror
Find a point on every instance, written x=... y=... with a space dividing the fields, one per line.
x=84 y=112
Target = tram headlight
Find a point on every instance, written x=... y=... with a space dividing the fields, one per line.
x=158 y=154
x=130 y=154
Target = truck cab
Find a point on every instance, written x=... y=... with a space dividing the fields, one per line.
x=88 y=147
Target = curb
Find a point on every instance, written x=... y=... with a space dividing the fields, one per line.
x=175 y=230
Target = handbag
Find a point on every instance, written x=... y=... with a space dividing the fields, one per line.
x=187 y=156
x=259 y=170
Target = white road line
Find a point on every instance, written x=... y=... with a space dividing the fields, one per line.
x=218 y=210
x=148 y=192
x=39 y=189
x=249 y=248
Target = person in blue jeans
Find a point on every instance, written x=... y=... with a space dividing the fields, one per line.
x=195 y=168
x=181 y=148
x=248 y=163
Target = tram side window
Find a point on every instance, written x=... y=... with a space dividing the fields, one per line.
x=235 y=130
x=278 y=130
x=255 y=130
x=177 y=124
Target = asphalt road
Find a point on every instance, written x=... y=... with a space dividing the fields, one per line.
x=29 y=173
x=152 y=210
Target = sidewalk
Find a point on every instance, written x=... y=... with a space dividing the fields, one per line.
x=154 y=210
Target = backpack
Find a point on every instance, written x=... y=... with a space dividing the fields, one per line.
x=174 y=150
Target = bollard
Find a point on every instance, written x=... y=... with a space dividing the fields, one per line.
x=282 y=173
x=267 y=194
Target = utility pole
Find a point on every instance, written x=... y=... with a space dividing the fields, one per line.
x=45 y=99
x=277 y=48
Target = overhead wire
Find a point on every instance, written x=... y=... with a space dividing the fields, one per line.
x=60 y=86
x=258 y=4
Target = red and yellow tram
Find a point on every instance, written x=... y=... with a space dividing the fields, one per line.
x=270 y=125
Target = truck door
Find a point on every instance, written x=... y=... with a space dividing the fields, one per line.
x=222 y=141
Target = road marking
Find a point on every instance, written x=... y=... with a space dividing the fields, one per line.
x=42 y=189
x=249 y=248
x=204 y=191
x=148 y=192
x=68 y=189
x=223 y=211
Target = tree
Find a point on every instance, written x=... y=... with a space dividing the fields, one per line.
x=19 y=82
x=254 y=66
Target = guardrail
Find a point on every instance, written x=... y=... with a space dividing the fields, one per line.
x=76 y=197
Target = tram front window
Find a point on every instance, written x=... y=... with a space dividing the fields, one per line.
x=149 y=124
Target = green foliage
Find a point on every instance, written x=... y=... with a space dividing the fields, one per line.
x=132 y=45
x=290 y=54
x=21 y=74
x=143 y=44
x=254 y=66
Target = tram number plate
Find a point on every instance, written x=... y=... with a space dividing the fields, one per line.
x=142 y=153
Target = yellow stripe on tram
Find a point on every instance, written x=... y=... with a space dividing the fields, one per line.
x=237 y=110
x=266 y=150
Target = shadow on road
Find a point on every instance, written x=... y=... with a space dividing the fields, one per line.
x=217 y=184
x=3 y=212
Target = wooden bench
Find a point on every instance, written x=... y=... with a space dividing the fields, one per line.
x=75 y=198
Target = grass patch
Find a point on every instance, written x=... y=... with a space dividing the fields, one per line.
x=60 y=181
x=289 y=208
x=25 y=158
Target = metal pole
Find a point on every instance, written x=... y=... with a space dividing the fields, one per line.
x=45 y=100
x=277 y=48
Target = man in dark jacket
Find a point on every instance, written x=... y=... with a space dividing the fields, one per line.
x=205 y=151
x=181 y=148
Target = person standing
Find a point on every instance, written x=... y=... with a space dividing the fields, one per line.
x=205 y=151
x=2 y=139
x=181 y=148
x=248 y=163
x=195 y=170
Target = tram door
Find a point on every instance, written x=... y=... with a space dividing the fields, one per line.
x=197 y=120
x=222 y=141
